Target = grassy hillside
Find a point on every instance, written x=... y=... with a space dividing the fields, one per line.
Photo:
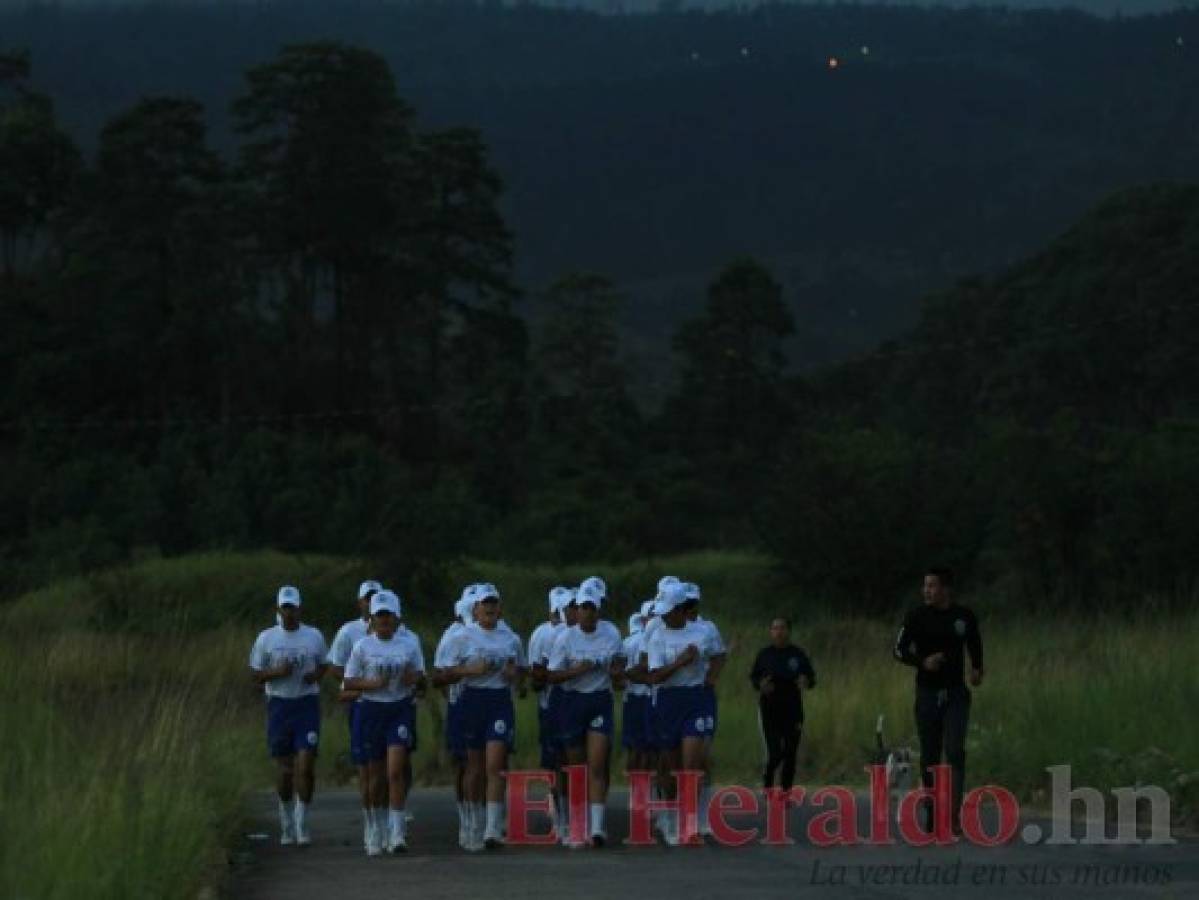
x=129 y=733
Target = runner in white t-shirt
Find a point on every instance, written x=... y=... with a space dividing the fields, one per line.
x=633 y=735
x=451 y=687
x=489 y=660
x=540 y=643
x=678 y=653
x=339 y=654
x=658 y=760
x=289 y=662
x=716 y=658
x=584 y=662
x=568 y=609
x=386 y=669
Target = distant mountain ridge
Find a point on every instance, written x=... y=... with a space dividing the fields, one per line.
x=655 y=148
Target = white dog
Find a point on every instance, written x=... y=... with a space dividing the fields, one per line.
x=896 y=760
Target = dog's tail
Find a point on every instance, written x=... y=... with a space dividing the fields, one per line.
x=878 y=735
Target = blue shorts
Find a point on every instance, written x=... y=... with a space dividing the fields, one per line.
x=681 y=712
x=710 y=703
x=455 y=743
x=583 y=712
x=385 y=725
x=548 y=731
x=487 y=716
x=633 y=723
x=293 y=725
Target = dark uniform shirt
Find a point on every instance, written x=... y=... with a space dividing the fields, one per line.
x=784 y=665
x=927 y=630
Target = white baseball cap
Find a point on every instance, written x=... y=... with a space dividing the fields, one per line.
x=692 y=590
x=666 y=580
x=589 y=592
x=559 y=596
x=368 y=587
x=596 y=585
x=647 y=609
x=486 y=591
x=671 y=596
x=288 y=596
x=385 y=601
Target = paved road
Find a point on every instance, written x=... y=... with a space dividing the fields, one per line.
x=335 y=865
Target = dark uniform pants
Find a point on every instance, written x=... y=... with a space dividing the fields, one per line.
x=781 y=731
x=941 y=720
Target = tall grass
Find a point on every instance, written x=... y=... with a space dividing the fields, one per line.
x=129 y=733
x=122 y=763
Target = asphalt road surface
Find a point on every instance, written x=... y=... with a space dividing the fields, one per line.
x=336 y=866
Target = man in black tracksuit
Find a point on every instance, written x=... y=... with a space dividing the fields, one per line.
x=779 y=673
x=934 y=639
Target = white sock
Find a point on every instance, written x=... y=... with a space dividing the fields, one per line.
x=597 y=818
x=379 y=814
x=477 y=821
x=396 y=822
x=284 y=814
x=301 y=813
x=368 y=820
x=705 y=797
x=463 y=813
x=495 y=816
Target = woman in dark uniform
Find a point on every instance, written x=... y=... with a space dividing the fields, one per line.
x=781 y=672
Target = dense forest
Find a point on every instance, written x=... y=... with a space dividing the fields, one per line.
x=305 y=325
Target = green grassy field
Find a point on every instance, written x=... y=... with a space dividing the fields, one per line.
x=129 y=732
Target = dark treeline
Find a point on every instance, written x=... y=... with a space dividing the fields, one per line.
x=312 y=344
x=646 y=146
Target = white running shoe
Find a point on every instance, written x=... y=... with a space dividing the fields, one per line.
x=303 y=837
x=463 y=837
x=368 y=836
x=396 y=843
x=287 y=834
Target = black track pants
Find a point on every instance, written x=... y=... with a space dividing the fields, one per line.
x=781 y=731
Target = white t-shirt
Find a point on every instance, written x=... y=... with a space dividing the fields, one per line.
x=541 y=642
x=373 y=657
x=442 y=658
x=414 y=639
x=715 y=641
x=651 y=627
x=304 y=648
x=574 y=645
x=633 y=648
x=667 y=644
x=498 y=646
x=343 y=642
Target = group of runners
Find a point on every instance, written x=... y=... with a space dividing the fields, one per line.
x=667 y=667
x=576 y=661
